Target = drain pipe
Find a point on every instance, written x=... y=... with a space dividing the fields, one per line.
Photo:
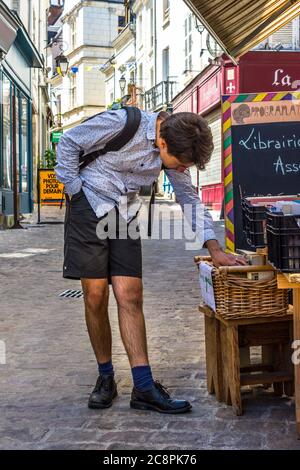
x=155 y=43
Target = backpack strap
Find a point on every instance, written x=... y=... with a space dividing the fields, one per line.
x=120 y=140
x=151 y=204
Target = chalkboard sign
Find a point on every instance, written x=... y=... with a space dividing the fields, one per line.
x=261 y=150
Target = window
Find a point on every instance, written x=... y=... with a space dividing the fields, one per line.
x=15 y=5
x=151 y=19
x=121 y=23
x=73 y=36
x=6 y=134
x=140 y=31
x=73 y=92
x=58 y=110
x=24 y=144
x=21 y=141
x=151 y=77
x=34 y=27
x=131 y=77
x=128 y=12
x=165 y=64
x=141 y=74
x=188 y=43
x=166 y=9
x=18 y=142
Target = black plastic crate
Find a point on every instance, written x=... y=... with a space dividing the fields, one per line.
x=254 y=224
x=255 y=218
x=283 y=236
x=256 y=239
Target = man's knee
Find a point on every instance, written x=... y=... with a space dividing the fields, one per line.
x=95 y=294
x=130 y=297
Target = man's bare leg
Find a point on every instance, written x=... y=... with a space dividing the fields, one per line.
x=129 y=296
x=151 y=395
x=96 y=294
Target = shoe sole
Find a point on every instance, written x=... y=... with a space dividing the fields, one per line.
x=99 y=406
x=147 y=407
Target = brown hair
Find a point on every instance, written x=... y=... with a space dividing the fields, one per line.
x=188 y=138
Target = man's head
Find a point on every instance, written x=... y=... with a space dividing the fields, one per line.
x=184 y=140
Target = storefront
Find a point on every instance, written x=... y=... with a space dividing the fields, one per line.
x=16 y=169
x=15 y=106
x=257 y=71
x=260 y=71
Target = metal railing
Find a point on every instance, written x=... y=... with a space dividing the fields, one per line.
x=160 y=95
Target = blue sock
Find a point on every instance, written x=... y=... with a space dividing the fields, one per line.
x=106 y=368
x=142 y=378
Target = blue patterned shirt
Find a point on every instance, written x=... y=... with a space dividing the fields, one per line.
x=114 y=175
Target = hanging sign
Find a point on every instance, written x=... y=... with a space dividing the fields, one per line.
x=261 y=153
x=56 y=136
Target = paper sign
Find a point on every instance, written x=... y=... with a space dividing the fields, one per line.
x=206 y=285
x=51 y=190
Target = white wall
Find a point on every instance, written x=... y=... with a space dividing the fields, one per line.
x=170 y=34
x=96 y=27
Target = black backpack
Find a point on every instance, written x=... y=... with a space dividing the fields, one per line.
x=119 y=141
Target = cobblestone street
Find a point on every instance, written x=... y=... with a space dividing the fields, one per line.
x=50 y=368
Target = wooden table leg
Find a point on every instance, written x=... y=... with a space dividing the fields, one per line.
x=296 y=303
x=233 y=362
x=214 y=372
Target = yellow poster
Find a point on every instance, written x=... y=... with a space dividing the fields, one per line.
x=51 y=190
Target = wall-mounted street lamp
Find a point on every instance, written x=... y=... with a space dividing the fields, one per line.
x=62 y=64
x=199 y=26
x=122 y=83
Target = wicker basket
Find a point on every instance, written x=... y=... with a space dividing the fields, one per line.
x=239 y=297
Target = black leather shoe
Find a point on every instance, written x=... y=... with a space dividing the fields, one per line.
x=104 y=392
x=158 y=399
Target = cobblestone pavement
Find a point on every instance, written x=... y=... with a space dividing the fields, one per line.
x=50 y=367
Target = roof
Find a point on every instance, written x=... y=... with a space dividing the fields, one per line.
x=238 y=26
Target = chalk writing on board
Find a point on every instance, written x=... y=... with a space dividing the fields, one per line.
x=283 y=168
x=255 y=141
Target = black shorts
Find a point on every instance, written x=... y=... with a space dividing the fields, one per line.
x=88 y=256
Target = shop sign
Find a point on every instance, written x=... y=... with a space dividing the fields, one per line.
x=231 y=85
x=209 y=93
x=56 y=136
x=50 y=189
x=269 y=71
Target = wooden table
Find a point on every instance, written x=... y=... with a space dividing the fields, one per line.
x=228 y=362
x=292 y=281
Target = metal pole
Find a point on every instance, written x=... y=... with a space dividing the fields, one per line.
x=39 y=196
x=17 y=224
